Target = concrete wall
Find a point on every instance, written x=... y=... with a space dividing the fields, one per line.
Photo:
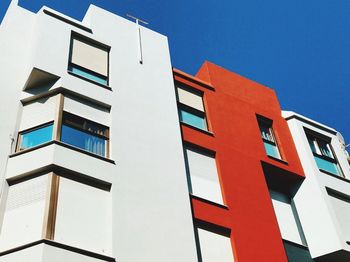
x=148 y=202
x=323 y=231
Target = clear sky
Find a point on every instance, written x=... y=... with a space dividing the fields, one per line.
x=299 y=48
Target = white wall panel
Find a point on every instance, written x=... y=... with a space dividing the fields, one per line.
x=83 y=217
x=24 y=214
x=82 y=108
x=285 y=217
x=214 y=247
x=90 y=57
x=204 y=176
x=190 y=99
x=38 y=112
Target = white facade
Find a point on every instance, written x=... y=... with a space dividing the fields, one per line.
x=103 y=203
x=323 y=199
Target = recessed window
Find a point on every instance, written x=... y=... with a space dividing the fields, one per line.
x=287 y=217
x=89 y=60
x=84 y=134
x=35 y=136
x=213 y=243
x=268 y=138
x=191 y=108
x=323 y=154
x=203 y=178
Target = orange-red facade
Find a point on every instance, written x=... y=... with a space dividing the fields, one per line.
x=246 y=173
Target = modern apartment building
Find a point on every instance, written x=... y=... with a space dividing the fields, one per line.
x=107 y=153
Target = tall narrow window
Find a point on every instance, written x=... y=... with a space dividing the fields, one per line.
x=84 y=134
x=268 y=138
x=323 y=154
x=89 y=59
x=203 y=175
x=287 y=217
x=191 y=108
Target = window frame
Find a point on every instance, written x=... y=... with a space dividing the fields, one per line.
x=29 y=130
x=268 y=123
x=191 y=110
x=57 y=123
x=93 y=43
x=316 y=138
x=76 y=117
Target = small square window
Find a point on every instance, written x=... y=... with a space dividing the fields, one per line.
x=268 y=138
x=89 y=60
x=323 y=154
x=191 y=108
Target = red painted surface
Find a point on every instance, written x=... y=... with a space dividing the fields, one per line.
x=231 y=103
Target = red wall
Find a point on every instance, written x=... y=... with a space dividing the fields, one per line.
x=231 y=103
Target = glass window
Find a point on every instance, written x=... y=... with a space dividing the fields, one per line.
x=323 y=154
x=268 y=138
x=193 y=119
x=88 y=74
x=84 y=134
x=89 y=59
x=36 y=137
x=191 y=108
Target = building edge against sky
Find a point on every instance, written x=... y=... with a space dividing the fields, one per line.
x=96 y=167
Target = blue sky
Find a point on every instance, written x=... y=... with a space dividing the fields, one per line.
x=299 y=48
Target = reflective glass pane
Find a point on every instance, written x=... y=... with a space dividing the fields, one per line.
x=88 y=75
x=193 y=120
x=271 y=150
x=266 y=133
x=83 y=140
x=327 y=166
x=325 y=149
x=312 y=145
x=36 y=137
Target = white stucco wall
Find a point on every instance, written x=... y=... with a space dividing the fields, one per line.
x=24 y=214
x=323 y=231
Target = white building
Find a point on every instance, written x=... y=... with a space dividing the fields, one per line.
x=323 y=199
x=73 y=188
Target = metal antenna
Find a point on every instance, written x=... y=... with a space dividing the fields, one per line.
x=138 y=21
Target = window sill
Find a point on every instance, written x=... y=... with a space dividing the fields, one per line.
x=197 y=129
x=89 y=80
x=208 y=201
x=278 y=160
x=63 y=145
x=335 y=176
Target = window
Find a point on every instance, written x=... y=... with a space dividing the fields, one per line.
x=84 y=134
x=89 y=59
x=203 y=175
x=213 y=243
x=268 y=137
x=323 y=154
x=340 y=204
x=35 y=136
x=287 y=217
x=66 y=126
x=191 y=109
